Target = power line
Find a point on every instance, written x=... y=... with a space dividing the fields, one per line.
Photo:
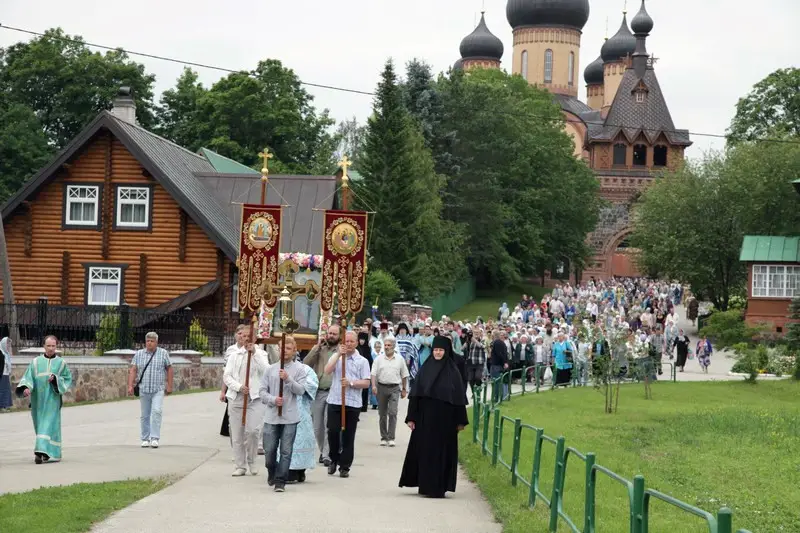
x=370 y=93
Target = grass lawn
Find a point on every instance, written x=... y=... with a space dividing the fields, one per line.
x=71 y=509
x=487 y=303
x=709 y=444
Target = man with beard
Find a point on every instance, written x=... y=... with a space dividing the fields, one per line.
x=317 y=358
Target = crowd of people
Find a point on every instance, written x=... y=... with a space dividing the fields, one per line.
x=303 y=411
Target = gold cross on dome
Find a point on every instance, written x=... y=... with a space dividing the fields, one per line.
x=266 y=156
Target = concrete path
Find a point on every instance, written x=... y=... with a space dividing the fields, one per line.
x=101 y=443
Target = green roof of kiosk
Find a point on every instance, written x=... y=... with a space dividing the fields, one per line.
x=225 y=165
x=770 y=249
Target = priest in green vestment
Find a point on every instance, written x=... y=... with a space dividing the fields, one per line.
x=45 y=381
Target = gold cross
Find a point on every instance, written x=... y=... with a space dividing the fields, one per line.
x=266 y=156
x=286 y=273
x=345 y=163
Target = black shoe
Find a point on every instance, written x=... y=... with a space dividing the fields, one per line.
x=326 y=462
x=301 y=477
x=374 y=407
x=279 y=488
x=344 y=472
x=321 y=459
x=270 y=478
x=38 y=459
x=332 y=469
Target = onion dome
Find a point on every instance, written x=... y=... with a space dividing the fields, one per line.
x=620 y=45
x=459 y=64
x=570 y=13
x=594 y=72
x=481 y=43
x=642 y=23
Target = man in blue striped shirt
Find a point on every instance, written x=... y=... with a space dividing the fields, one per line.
x=356 y=378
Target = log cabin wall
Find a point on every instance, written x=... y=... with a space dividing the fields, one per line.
x=40 y=273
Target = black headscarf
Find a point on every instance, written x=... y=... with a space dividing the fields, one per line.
x=439 y=378
x=364 y=349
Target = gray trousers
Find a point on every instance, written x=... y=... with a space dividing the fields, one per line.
x=319 y=416
x=245 y=439
x=388 y=398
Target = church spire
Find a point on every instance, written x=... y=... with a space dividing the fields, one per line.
x=641 y=25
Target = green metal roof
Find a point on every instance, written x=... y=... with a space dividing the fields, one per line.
x=772 y=249
x=225 y=165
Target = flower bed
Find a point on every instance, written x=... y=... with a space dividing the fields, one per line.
x=309 y=262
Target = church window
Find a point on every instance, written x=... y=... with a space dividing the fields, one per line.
x=548 y=66
x=133 y=207
x=620 y=154
x=104 y=286
x=660 y=156
x=524 y=69
x=640 y=97
x=639 y=155
x=81 y=205
x=571 y=68
x=613 y=69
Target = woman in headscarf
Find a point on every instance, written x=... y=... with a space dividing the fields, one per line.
x=682 y=344
x=5 y=374
x=437 y=411
x=364 y=349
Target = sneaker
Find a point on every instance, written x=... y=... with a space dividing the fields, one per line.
x=270 y=480
x=145 y=444
x=384 y=442
x=279 y=488
x=253 y=470
x=154 y=443
x=239 y=472
x=391 y=444
x=344 y=472
x=321 y=459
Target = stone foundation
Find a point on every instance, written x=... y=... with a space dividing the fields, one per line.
x=106 y=377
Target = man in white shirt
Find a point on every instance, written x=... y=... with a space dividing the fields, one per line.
x=244 y=439
x=389 y=374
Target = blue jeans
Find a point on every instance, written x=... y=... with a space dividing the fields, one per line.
x=273 y=433
x=495 y=372
x=152 y=404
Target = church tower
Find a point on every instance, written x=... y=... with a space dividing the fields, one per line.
x=547 y=42
x=481 y=48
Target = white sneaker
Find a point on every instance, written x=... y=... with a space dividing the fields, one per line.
x=391 y=444
x=253 y=470
x=154 y=443
x=145 y=444
x=383 y=442
x=239 y=472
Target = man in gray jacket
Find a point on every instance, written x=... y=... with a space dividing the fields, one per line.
x=282 y=428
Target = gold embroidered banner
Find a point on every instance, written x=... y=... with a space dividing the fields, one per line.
x=259 y=243
x=344 y=260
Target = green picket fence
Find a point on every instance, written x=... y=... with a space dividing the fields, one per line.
x=486 y=415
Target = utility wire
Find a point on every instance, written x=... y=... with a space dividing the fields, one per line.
x=370 y=93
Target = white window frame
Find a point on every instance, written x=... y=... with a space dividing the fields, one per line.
x=775 y=281
x=74 y=189
x=548 y=66
x=524 y=65
x=235 y=293
x=640 y=97
x=138 y=200
x=101 y=275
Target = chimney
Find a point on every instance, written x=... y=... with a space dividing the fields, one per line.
x=124 y=107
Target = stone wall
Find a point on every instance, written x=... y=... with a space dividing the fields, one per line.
x=106 y=377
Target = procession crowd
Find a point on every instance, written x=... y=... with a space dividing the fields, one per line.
x=303 y=411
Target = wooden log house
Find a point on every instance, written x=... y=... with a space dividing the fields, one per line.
x=122 y=215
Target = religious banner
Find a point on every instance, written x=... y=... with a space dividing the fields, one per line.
x=344 y=260
x=259 y=243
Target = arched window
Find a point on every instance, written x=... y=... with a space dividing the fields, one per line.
x=524 y=69
x=548 y=66
x=620 y=154
x=639 y=155
x=660 y=156
x=571 y=75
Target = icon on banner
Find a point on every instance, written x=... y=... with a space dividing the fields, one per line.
x=344 y=239
x=260 y=232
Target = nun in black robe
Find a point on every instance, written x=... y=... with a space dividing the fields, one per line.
x=437 y=411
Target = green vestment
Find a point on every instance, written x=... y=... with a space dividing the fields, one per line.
x=46 y=401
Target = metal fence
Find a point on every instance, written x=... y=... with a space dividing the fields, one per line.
x=486 y=415
x=85 y=330
x=447 y=303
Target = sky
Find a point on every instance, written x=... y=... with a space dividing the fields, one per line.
x=711 y=52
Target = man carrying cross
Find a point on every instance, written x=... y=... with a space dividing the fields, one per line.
x=356 y=378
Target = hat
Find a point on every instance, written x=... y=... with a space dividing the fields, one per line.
x=442 y=342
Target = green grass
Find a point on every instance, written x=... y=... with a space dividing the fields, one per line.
x=708 y=444
x=488 y=302
x=71 y=509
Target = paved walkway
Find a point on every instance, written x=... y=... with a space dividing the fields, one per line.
x=102 y=444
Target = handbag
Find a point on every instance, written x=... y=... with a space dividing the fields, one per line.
x=141 y=377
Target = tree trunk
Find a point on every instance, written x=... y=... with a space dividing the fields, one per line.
x=8 y=289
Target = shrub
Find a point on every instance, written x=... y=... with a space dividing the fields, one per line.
x=198 y=339
x=727 y=329
x=107 y=334
x=382 y=287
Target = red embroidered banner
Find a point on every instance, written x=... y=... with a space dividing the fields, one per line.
x=259 y=244
x=344 y=260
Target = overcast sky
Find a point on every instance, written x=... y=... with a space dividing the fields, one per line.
x=710 y=52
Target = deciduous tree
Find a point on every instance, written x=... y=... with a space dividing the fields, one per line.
x=771 y=109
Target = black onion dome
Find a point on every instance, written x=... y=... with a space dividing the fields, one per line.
x=481 y=43
x=620 y=45
x=642 y=22
x=459 y=64
x=594 y=72
x=570 y=13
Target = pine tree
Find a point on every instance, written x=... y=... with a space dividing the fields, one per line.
x=408 y=237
